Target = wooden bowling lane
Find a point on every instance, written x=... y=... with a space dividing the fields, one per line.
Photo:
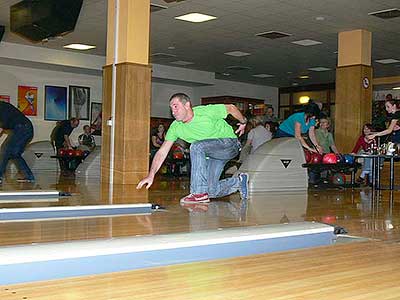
x=360 y=211
x=363 y=271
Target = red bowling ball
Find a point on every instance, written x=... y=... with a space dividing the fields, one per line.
x=329 y=158
x=78 y=152
x=316 y=158
x=62 y=152
x=307 y=155
x=70 y=152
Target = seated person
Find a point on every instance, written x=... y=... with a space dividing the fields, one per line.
x=257 y=136
x=157 y=139
x=365 y=144
x=324 y=137
x=86 y=139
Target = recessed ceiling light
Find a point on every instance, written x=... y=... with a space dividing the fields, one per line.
x=263 y=75
x=320 y=18
x=171 y=48
x=307 y=42
x=195 y=17
x=319 y=69
x=226 y=74
x=289 y=72
x=304 y=77
x=79 y=46
x=237 y=53
x=182 y=63
x=396 y=88
x=387 y=61
x=295 y=84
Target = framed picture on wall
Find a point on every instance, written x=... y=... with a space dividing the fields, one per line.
x=55 y=103
x=79 y=101
x=27 y=100
x=96 y=118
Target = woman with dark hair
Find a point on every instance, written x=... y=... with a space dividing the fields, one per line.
x=365 y=144
x=393 y=118
x=300 y=123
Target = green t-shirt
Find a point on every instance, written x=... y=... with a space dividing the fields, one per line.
x=207 y=123
x=325 y=139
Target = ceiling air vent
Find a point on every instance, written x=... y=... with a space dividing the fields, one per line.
x=273 y=35
x=238 y=68
x=156 y=7
x=160 y=55
x=387 y=13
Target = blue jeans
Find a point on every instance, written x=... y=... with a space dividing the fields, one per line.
x=208 y=158
x=14 y=146
x=280 y=134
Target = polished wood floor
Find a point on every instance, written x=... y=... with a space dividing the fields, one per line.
x=359 y=270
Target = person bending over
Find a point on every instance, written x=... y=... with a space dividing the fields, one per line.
x=213 y=144
x=19 y=133
x=300 y=123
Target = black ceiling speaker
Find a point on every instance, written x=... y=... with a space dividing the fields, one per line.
x=37 y=20
x=2 y=28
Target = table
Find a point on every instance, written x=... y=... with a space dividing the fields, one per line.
x=375 y=171
x=338 y=167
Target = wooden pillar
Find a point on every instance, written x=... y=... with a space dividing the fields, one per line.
x=353 y=103
x=126 y=93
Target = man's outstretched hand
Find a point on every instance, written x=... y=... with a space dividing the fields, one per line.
x=148 y=181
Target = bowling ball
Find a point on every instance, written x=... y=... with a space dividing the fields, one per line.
x=70 y=152
x=338 y=179
x=316 y=158
x=339 y=158
x=78 y=152
x=62 y=152
x=329 y=158
x=177 y=155
x=348 y=159
x=307 y=155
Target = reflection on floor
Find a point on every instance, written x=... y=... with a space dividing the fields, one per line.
x=362 y=212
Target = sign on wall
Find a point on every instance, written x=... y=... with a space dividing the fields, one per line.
x=5 y=98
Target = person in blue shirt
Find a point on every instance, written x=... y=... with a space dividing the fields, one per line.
x=300 y=123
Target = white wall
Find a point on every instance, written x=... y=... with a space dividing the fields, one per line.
x=160 y=95
x=11 y=77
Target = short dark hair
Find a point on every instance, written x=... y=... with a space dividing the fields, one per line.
x=312 y=110
x=181 y=97
x=86 y=126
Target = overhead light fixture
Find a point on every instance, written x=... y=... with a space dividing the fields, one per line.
x=263 y=75
x=226 y=74
x=307 y=42
x=304 y=77
x=182 y=63
x=304 y=99
x=195 y=18
x=386 y=14
x=237 y=53
x=396 y=88
x=319 y=69
x=79 y=46
x=387 y=61
x=295 y=84
x=320 y=18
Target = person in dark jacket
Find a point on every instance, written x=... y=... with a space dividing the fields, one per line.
x=19 y=131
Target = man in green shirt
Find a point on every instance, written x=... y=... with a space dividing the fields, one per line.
x=213 y=144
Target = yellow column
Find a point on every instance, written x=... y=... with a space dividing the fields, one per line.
x=126 y=93
x=353 y=103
